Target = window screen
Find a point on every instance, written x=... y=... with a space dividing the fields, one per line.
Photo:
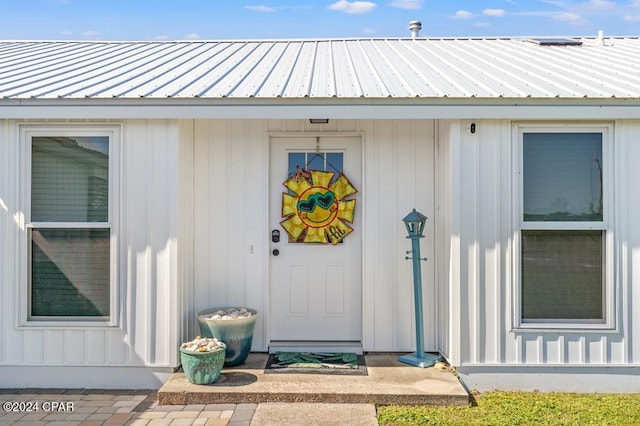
x=69 y=179
x=562 y=176
x=562 y=275
x=70 y=272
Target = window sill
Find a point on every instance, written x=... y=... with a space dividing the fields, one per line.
x=564 y=328
x=49 y=325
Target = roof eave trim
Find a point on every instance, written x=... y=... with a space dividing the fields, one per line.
x=436 y=108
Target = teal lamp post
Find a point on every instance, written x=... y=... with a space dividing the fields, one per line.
x=414 y=222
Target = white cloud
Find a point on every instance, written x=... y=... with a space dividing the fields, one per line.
x=355 y=7
x=407 y=4
x=635 y=3
x=90 y=33
x=570 y=18
x=161 y=37
x=631 y=18
x=192 y=36
x=493 y=12
x=600 y=4
x=260 y=8
x=482 y=24
x=369 y=31
x=463 y=14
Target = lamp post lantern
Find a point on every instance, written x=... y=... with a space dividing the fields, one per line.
x=414 y=222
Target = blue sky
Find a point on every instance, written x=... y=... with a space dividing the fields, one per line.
x=251 y=19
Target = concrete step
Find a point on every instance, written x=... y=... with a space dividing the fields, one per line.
x=387 y=382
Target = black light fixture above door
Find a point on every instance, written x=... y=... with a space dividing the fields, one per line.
x=318 y=120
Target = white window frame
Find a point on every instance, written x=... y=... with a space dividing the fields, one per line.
x=606 y=225
x=26 y=133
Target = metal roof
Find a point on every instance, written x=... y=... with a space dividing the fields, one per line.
x=422 y=68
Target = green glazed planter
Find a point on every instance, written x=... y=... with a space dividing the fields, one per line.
x=202 y=368
x=237 y=334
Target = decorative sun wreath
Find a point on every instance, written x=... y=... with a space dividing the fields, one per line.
x=315 y=209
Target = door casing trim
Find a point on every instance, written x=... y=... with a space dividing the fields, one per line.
x=270 y=135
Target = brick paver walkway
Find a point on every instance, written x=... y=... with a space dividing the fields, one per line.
x=107 y=407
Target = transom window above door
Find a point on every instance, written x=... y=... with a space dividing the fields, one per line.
x=323 y=161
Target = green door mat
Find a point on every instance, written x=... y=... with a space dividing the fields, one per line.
x=316 y=363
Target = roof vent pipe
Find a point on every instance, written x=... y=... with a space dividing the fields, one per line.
x=415 y=27
x=600 y=38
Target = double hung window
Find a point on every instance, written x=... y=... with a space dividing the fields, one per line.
x=564 y=226
x=69 y=224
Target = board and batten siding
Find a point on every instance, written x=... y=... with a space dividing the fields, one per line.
x=480 y=199
x=224 y=222
x=141 y=350
x=231 y=231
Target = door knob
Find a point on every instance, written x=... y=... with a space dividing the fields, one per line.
x=275 y=252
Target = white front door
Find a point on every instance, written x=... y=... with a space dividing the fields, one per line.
x=315 y=289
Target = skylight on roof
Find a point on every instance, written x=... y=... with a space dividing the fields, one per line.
x=555 y=41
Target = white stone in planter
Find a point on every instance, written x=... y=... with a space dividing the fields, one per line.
x=229 y=314
x=202 y=344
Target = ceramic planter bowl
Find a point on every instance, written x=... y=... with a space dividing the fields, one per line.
x=202 y=368
x=236 y=333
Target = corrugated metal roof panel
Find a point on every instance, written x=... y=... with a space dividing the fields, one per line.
x=342 y=68
x=193 y=67
x=347 y=79
x=298 y=84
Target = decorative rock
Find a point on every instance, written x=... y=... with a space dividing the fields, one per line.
x=228 y=314
x=202 y=344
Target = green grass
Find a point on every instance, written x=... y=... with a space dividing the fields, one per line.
x=523 y=408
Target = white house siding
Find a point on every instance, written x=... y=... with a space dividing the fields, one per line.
x=141 y=350
x=8 y=200
x=489 y=353
x=230 y=233
x=445 y=241
x=629 y=247
x=225 y=173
